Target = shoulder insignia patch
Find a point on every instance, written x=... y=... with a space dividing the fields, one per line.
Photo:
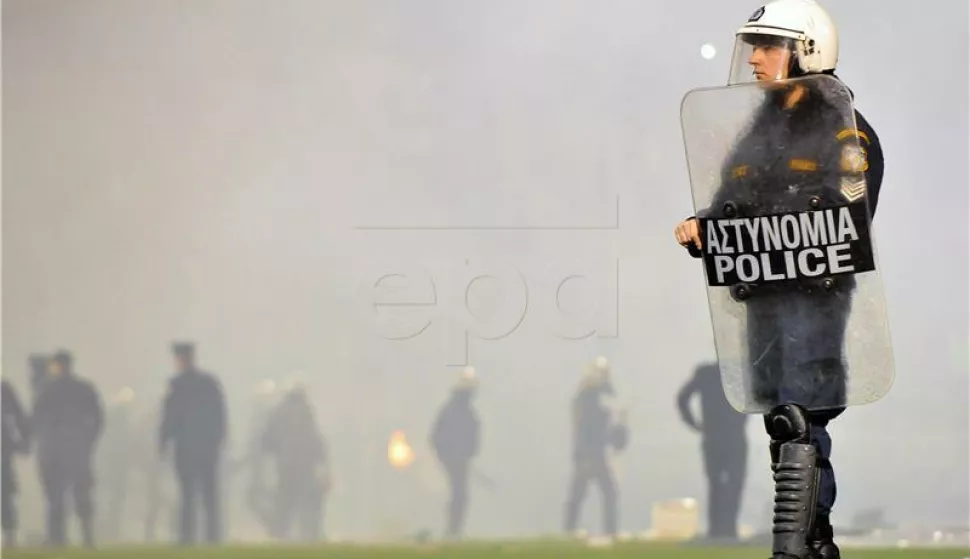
x=847 y=132
x=739 y=171
x=853 y=188
x=802 y=165
x=854 y=159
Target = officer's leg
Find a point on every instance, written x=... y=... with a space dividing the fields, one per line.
x=210 y=500
x=822 y=538
x=83 y=485
x=188 y=485
x=796 y=470
x=315 y=517
x=607 y=483
x=8 y=513
x=577 y=494
x=458 y=479
x=818 y=379
x=55 y=490
x=310 y=509
x=283 y=505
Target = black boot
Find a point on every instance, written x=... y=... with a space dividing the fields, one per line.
x=822 y=541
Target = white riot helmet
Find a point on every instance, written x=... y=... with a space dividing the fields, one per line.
x=801 y=26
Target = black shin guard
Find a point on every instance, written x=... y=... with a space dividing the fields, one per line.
x=796 y=472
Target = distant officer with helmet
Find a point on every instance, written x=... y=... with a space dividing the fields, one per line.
x=292 y=438
x=595 y=432
x=455 y=439
x=782 y=40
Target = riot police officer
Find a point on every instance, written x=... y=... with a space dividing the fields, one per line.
x=293 y=439
x=16 y=440
x=455 y=438
x=68 y=419
x=194 y=423
x=595 y=431
x=781 y=40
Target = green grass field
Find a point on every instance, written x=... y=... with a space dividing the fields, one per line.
x=518 y=550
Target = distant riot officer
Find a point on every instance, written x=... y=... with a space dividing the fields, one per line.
x=293 y=439
x=595 y=431
x=194 y=423
x=16 y=440
x=455 y=439
x=68 y=420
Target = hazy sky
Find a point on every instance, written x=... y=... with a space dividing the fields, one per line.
x=222 y=171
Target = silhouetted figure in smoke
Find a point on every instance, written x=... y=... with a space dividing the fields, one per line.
x=455 y=439
x=194 y=422
x=293 y=439
x=16 y=440
x=724 y=448
x=594 y=433
x=67 y=421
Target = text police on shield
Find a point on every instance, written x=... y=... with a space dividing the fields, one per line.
x=788 y=246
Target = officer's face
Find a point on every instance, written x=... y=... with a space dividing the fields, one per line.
x=55 y=369
x=769 y=61
x=183 y=362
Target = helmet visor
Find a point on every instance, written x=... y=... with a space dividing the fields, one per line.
x=761 y=57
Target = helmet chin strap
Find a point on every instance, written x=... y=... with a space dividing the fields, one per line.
x=794 y=68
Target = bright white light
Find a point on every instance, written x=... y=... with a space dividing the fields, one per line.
x=708 y=51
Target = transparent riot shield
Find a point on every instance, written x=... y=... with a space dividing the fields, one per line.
x=778 y=175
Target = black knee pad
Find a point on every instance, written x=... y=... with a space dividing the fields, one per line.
x=789 y=423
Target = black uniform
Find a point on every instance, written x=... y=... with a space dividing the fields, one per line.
x=68 y=419
x=809 y=370
x=16 y=440
x=194 y=422
x=455 y=439
x=294 y=440
x=724 y=447
x=594 y=432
